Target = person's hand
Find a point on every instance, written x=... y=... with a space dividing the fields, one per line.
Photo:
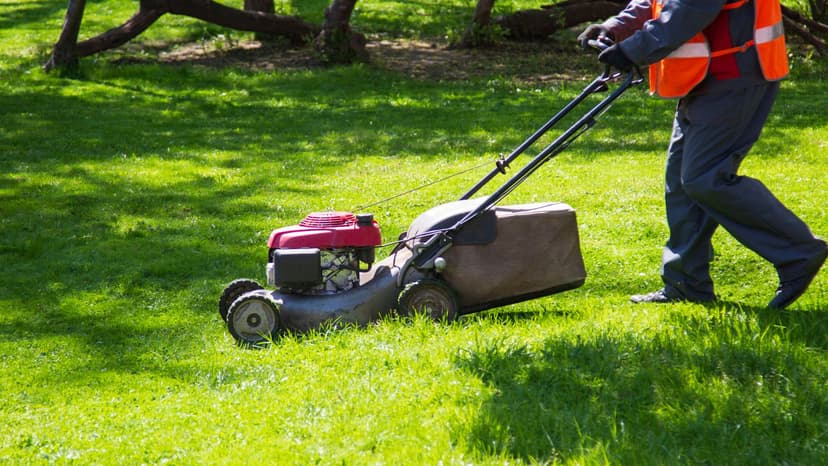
x=614 y=57
x=593 y=32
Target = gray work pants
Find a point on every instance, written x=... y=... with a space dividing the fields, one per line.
x=712 y=133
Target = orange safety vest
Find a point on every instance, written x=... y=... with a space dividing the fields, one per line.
x=678 y=73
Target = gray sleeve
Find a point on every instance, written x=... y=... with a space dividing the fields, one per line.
x=678 y=22
x=631 y=19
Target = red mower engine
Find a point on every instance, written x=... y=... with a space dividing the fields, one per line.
x=323 y=254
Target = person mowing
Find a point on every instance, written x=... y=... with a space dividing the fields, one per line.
x=723 y=60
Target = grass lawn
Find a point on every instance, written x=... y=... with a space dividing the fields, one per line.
x=133 y=192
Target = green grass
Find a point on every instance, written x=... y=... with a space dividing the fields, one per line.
x=131 y=194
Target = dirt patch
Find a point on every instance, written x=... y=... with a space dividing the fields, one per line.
x=242 y=54
x=532 y=62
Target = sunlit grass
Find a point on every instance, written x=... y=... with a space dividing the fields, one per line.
x=130 y=195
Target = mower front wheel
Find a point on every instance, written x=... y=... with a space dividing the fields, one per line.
x=253 y=318
x=430 y=296
x=232 y=292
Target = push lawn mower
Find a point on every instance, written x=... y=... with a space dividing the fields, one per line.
x=456 y=258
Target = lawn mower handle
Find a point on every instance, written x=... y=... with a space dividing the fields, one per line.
x=427 y=252
x=599 y=84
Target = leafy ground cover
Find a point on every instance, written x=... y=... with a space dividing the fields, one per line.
x=131 y=193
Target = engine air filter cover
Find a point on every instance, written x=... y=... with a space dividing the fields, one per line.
x=297 y=268
x=328 y=220
x=328 y=230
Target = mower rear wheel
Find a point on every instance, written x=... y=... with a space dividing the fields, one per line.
x=253 y=318
x=232 y=292
x=429 y=296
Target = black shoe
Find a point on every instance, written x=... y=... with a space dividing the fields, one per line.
x=661 y=296
x=790 y=290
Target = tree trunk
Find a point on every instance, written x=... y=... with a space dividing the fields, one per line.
x=337 y=42
x=541 y=23
x=64 y=53
x=481 y=19
x=819 y=10
x=262 y=6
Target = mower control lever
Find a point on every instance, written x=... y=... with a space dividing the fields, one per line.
x=426 y=256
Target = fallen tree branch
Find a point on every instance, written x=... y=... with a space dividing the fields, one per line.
x=291 y=27
x=820 y=45
x=813 y=26
x=538 y=24
x=120 y=35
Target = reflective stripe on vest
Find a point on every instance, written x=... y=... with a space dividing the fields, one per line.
x=769 y=35
x=687 y=66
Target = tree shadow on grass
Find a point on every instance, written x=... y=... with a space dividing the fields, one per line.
x=128 y=205
x=125 y=212
x=720 y=388
x=16 y=14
